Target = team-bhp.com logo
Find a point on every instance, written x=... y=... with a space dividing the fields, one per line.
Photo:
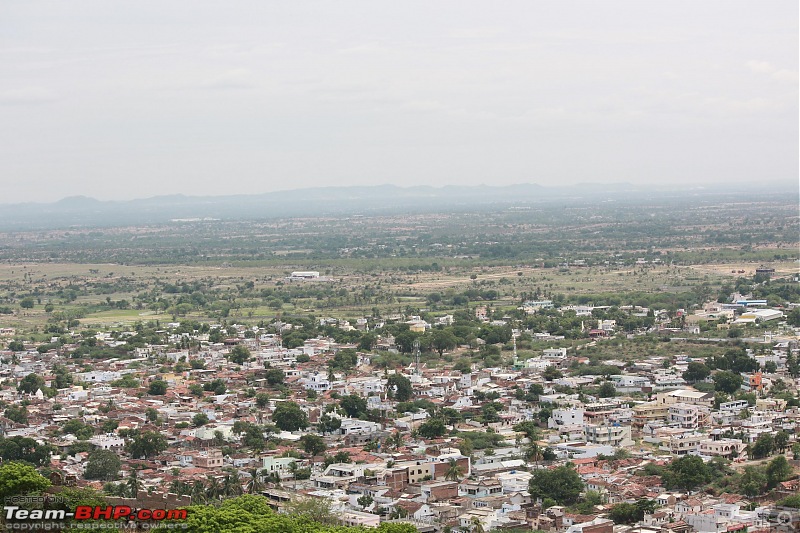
x=87 y=517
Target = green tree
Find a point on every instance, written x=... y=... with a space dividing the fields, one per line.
x=157 y=387
x=607 y=390
x=630 y=513
x=443 y=339
x=696 y=372
x=365 y=501
x=781 y=441
x=729 y=382
x=288 y=416
x=239 y=354
x=563 y=484
x=753 y=481
x=316 y=509
x=778 y=470
x=550 y=373
x=16 y=346
x=19 y=478
x=763 y=446
x=313 y=444
x=102 y=464
x=432 y=428
x=454 y=471
x=200 y=419
x=399 y=388
x=328 y=424
x=529 y=428
x=262 y=399
x=354 y=406
x=687 y=473
x=275 y=376
x=146 y=444
x=26 y=450
x=31 y=383
x=17 y=413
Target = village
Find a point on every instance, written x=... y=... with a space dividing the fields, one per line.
x=456 y=446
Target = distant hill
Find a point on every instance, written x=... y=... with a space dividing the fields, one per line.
x=84 y=211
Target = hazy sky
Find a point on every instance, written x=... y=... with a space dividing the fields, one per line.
x=118 y=100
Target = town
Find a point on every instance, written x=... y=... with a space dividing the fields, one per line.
x=543 y=415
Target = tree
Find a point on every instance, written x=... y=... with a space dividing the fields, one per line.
x=239 y=354
x=16 y=346
x=344 y=360
x=313 y=444
x=146 y=444
x=432 y=428
x=687 y=473
x=31 y=383
x=288 y=416
x=19 y=478
x=217 y=386
x=753 y=481
x=254 y=484
x=763 y=446
x=696 y=372
x=317 y=509
x=529 y=428
x=17 y=413
x=367 y=342
x=25 y=449
x=781 y=441
x=550 y=373
x=399 y=388
x=102 y=464
x=262 y=399
x=630 y=513
x=443 y=339
x=152 y=414
x=454 y=471
x=328 y=424
x=607 y=390
x=200 y=419
x=157 y=388
x=365 y=501
x=27 y=303
x=778 y=470
x=727 y=381
x=563 y=484
x=354 y=406
x=275 y=376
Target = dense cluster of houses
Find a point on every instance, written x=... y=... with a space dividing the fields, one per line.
x=392 y=472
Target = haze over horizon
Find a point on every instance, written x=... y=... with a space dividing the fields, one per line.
x=125 y=100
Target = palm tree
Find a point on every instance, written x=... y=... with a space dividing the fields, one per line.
x=254 y=485
x=476 y=526
x=232 y=484
x=213 y=489
x=133 y=485
x=198 y=492
x=178 y=487
x=533 y=453
x=454 y=471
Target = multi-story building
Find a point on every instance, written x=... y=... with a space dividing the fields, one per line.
x=688 y=416
x=616 y=436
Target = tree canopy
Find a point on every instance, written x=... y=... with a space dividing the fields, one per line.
x=288 y=416
x=562 y=484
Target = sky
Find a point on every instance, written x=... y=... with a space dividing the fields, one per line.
x=132 y=99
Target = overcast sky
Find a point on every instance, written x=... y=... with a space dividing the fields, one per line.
x=120 y=100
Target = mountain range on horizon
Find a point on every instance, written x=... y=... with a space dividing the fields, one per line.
x=337 y=200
